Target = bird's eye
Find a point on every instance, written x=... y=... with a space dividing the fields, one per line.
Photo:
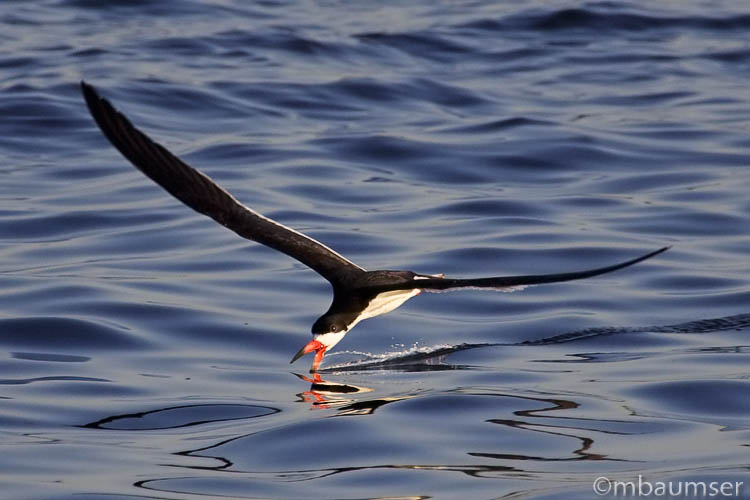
x=334 y=328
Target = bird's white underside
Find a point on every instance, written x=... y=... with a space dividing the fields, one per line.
x=385 y=302
x=382 y=303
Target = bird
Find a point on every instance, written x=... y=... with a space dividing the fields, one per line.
x=358 y=294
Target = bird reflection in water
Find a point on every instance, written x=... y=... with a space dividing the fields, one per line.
x=325 y=395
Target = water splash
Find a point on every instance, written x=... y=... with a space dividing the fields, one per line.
x=414 y=358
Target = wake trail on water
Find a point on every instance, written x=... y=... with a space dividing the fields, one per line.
x=430 y=358
x=737 y=322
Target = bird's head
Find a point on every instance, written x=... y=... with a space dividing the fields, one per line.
x=327 y=331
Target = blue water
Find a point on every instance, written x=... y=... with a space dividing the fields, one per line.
x=144 y=349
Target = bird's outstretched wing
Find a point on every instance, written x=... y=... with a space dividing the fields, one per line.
x=203 y=195
x=506 y=282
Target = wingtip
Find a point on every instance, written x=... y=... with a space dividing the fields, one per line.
x=85 y=87
x=89 y=94
x=652 y=254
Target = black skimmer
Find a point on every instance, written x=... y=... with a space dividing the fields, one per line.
x=357 y=293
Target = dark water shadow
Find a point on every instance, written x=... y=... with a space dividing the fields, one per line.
x=176 y=417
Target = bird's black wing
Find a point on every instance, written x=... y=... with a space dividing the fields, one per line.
x=203 y=195
x=434 y=284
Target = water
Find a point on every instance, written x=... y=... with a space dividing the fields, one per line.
x=144 y=349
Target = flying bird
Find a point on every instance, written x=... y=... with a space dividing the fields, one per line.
x=357 y=293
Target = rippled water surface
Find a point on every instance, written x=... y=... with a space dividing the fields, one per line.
x=144 y=349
